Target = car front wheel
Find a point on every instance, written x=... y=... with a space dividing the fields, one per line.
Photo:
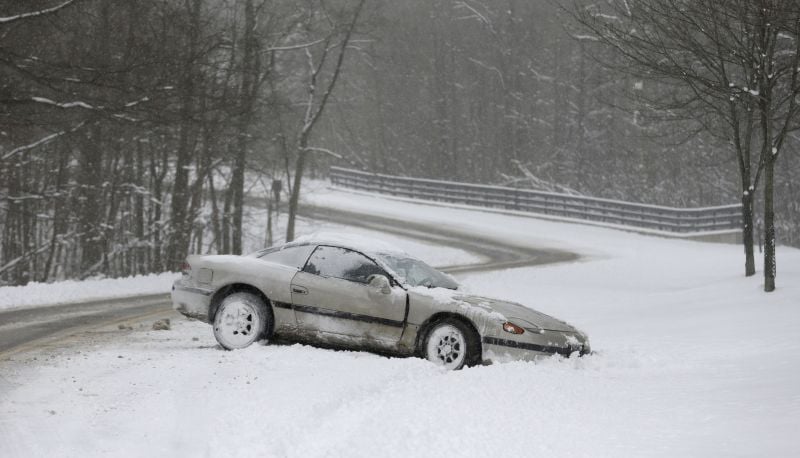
x=452 y=344
x=241 y=319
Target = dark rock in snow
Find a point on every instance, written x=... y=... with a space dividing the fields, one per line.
x=161 y=325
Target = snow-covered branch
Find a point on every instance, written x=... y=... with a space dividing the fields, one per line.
x=8 y=19
x=137 y=102
x=41 y=141
x=489 y=67
x=585 y=37
x=324 y=150
x=76 y=104
x=297 y=46
x=539 y=76
x=474 y=12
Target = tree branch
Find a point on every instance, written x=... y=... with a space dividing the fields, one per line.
x=41 y=141
x=19 y=17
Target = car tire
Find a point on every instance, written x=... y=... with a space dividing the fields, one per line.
x=241 y=319
x=452 y=344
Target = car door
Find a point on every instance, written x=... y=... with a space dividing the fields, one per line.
x=332 y=296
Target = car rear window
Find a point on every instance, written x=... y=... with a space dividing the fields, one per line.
x=294 y=256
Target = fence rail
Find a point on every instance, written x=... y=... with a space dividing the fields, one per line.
x=677 y=220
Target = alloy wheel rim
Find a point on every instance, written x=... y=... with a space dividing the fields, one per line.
x=237 y=324
x=447 y=346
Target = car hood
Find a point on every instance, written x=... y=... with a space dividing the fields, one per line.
x=517 y=313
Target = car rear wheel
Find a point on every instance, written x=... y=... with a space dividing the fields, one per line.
x=451 y=344
x=241 y=319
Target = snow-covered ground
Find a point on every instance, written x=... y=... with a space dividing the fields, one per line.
x=692 y=360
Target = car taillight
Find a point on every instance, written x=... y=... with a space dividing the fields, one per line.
x=186 y=269
x=512 y=328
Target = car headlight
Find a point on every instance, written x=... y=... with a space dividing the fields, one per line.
x=512 y=328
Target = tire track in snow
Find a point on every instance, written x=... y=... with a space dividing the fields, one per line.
x=24 y=329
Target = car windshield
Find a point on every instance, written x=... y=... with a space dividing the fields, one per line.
x=416 y=273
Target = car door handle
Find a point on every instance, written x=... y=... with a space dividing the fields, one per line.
x=299 y=290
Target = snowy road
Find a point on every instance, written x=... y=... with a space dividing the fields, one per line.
x=24 y=329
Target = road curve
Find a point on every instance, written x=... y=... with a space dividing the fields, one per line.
x=24 y=329
x=498 y=253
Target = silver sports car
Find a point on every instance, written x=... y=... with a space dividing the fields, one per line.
x=348 y=292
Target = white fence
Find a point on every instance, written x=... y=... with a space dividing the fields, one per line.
x=677 y=220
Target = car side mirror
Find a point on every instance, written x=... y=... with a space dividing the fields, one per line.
x=380 y=282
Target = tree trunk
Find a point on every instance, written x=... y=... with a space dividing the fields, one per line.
x=268 y=241
x=237 y=194
x=179 y=238
x=295 y=196
x=59 y=209
x=247 y=94
x=747 y=233
x=770 y=267
x=215 y=218
x=225 y=225
x=157 y=174
x=90 y=200
x=138 y=212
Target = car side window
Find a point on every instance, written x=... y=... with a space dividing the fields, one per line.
x=329 y=261
x=294 y=256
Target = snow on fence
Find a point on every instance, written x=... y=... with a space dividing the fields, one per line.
x=654 y=217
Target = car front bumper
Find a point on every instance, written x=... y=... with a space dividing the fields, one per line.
x=498 y=349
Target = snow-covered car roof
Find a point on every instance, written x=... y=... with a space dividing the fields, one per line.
x=356 y=242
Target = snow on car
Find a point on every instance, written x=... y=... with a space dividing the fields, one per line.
x=351 y=292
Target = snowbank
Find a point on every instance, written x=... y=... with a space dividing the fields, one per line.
x=38 y=294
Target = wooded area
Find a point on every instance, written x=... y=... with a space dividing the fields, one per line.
x=735 y=67
x=124 y=121
x=128 y=128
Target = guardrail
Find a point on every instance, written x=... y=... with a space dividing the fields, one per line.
x=677 y=220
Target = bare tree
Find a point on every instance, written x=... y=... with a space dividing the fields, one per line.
x=316 y=101
x=251 y=80
x=734 y=66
